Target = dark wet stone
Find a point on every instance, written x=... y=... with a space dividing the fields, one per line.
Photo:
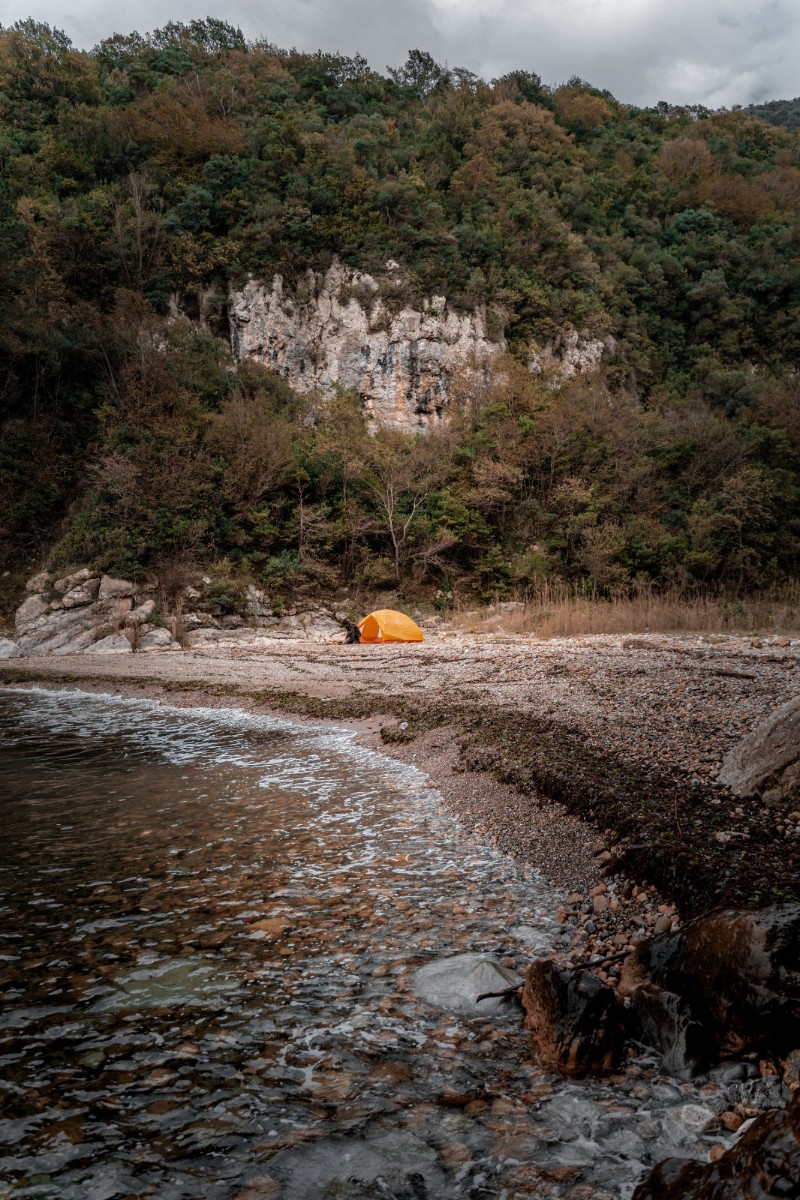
x=764 y=1162
x=574 y=1019
x=737 y=975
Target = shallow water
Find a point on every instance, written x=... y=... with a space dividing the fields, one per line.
x=210 y=925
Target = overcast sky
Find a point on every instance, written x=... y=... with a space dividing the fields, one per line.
x=714 y=52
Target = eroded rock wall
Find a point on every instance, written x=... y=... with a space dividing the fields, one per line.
x=342 y=333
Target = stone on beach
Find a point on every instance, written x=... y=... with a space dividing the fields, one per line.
x=767 y=761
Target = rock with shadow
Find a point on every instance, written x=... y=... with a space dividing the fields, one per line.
x=576 y=1021
x=720 y=987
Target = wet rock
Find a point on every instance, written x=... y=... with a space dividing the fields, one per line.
x=764 y=1162
x=456 y=982
x=767 y=762
x=760 y=1094
x=791 y=1071
x=663 y=1020
x=737 y=974
x=575 y=1020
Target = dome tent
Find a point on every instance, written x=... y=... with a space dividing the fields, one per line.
x=387 y=625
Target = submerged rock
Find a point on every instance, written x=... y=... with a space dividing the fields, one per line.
x=767 y=762
x=764 y=1162
x=736 y=975
x=574 y=1019
x=456 y=982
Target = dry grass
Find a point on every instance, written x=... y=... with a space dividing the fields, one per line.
x=558 y=611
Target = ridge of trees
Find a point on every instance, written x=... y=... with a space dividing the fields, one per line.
x=156 y=172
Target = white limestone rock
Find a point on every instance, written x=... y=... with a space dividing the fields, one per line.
x=571 y=353
x=343 y=336
x=77 y=645
x=455 y=983
x=72 y=581
x=111 y=588
x=767 y=762
x=83 y=593
x=29 y=613
x=115 y=643
x=141 y=614
x=156 y=639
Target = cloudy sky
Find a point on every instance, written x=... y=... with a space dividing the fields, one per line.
x=714 y=52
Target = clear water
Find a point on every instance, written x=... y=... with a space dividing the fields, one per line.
x=210 y=922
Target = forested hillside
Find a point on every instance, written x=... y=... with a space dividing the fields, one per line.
x=153 y=174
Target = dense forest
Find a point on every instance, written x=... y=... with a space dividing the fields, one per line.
x=158 y=171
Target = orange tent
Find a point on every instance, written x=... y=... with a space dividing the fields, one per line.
x=386 y=625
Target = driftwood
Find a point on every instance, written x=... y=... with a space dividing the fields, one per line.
x=517 y=987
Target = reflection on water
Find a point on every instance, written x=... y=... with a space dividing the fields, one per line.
x=210 y=922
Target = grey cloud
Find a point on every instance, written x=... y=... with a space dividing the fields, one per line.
x=716 y=52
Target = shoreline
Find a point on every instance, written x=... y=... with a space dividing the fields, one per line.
x=496 y=764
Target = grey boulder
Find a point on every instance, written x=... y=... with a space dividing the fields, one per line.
x=455 y=983
x=767 y=762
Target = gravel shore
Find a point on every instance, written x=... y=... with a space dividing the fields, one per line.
x=594 y=760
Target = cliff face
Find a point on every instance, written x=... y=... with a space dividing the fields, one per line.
x=339 y=332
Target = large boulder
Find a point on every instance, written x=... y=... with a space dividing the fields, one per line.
x=767 y=762
x=115 y=643
x=736 y=975
x=575 y=1020
x=157 y=639
x=457 y=982
x=765 y=1161
x=8 y=648
x=665 y=1021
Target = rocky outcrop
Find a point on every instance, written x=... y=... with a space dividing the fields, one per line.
x=90 y=613
x=341 y=333
x=765 y=1161
x=719 y=987
x=575 y=1020
x=767 y=762
x=85 y=612
x=570 y=353
x=346 y=329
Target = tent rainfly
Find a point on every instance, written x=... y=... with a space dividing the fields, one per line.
x=386 y=625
